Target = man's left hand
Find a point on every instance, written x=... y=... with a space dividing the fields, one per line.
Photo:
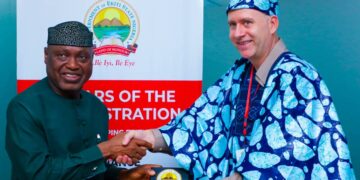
x=142 y=172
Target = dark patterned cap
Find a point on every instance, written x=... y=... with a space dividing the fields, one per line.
x=268 y=7
x=71 y=33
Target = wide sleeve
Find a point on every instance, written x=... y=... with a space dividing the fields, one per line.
x=198 y=137
x=26 y=145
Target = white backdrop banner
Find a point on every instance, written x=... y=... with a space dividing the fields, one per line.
x=148 y=55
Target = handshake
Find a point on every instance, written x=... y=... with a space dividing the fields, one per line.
x=128 y=148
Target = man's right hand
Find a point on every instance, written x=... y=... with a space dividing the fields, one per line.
x=114 y=148
x=146 y=135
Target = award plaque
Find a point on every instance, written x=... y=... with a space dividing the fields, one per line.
x=169 y=173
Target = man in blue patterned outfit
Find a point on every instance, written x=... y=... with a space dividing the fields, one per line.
x=270 y=116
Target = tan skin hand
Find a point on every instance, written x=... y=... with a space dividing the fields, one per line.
x=142 y=172
x=146 y=135
x=113 y=148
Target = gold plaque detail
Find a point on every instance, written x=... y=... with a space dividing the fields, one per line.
x=168 y=174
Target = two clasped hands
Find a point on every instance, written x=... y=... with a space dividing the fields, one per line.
x=129 y=148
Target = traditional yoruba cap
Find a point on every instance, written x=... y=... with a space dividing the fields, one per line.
x=269 y=7
x=71 y=33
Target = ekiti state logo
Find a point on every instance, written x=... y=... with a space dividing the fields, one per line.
x=168 y=174
x=115 y=26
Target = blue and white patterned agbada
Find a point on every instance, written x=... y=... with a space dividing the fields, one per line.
x=269 y=7
x=297 y=134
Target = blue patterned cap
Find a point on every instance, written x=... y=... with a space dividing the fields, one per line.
x=269 y=7
x=71 y=33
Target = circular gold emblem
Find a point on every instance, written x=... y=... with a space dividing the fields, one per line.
x=168 y=174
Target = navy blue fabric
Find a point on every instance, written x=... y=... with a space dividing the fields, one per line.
x=237 y=126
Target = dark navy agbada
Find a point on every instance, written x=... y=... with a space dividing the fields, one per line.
x=296 y=133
